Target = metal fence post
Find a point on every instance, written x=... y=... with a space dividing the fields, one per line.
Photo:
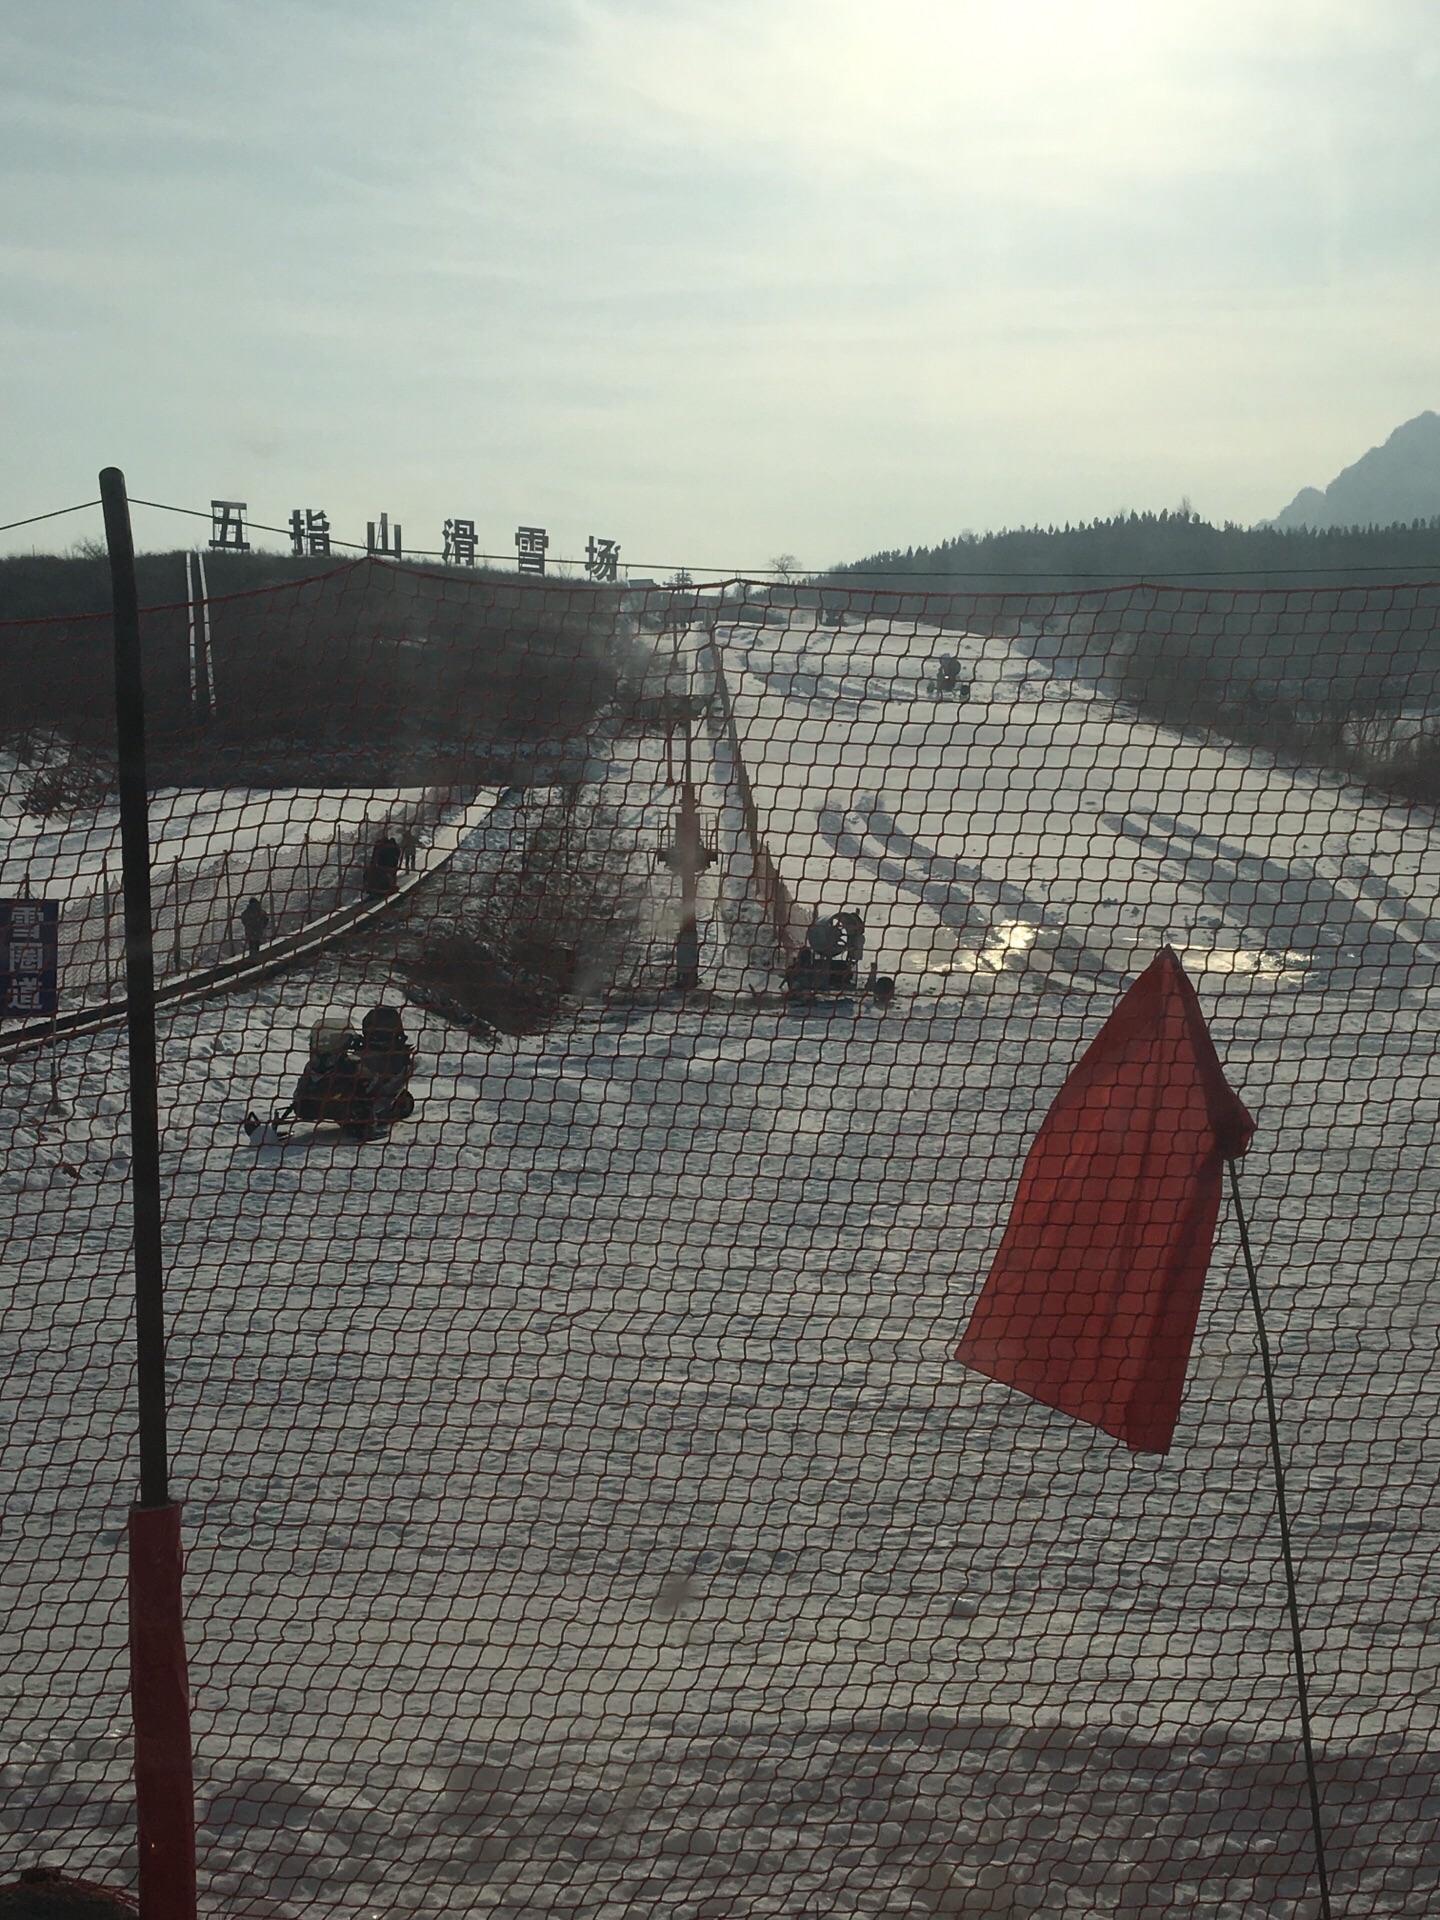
x=164 y=1774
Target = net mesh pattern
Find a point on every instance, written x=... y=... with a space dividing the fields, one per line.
x=583 y=1507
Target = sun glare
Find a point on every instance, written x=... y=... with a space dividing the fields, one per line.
x=993 y=89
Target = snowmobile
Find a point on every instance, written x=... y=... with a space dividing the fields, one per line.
x=827 y=967
x=357 y=1081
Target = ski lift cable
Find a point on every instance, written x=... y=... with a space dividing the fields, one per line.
x=58 y=513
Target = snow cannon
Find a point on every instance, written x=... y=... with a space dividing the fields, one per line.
x=945 y=683
x=827 y=967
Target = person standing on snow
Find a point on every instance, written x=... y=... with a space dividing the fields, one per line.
x=382 y=875
x=386 y=1056
x=256 y=924
x=409 y=847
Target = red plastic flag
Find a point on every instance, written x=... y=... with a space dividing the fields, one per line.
x=1092 y=1302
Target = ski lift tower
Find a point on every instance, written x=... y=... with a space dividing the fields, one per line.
x=687 y=941
x=688 y=857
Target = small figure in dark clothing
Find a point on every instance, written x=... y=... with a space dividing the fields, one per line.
x=256 y=923
x=387 y=1060
x=386 y=1055
x=332 y=1086
x=409 y=848
x=382 y=875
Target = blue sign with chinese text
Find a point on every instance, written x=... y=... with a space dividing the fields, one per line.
x=29 y=958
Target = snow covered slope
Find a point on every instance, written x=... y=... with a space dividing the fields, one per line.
x=583 y=1509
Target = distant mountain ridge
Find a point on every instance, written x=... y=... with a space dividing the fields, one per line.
x=1388 y=486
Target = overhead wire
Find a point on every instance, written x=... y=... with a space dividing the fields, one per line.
x=58 y=513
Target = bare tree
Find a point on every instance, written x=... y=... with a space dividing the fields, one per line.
x=785 y=565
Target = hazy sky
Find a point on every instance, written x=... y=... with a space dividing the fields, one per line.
x=717 y=278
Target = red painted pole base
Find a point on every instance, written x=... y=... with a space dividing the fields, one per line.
x=160 y=1702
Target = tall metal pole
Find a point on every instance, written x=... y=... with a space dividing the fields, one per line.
x=687 y=944
x=139 y=995
x=159 y=1684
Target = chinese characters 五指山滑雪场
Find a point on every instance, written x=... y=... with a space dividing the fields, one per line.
x=309 y=530
x=227 y=526
x=388 y=541
x=530 y=546
x=602 y=559
x=460 y=543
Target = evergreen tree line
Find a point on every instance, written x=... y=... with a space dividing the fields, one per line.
x=1344 y=680
x=363 y=673
x=1173 y=546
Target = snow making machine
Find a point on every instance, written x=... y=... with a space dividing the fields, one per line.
x=827 y=967
x=945 y=683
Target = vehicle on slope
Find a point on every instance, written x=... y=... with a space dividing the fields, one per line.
x=945 y=682
x=358 y=1082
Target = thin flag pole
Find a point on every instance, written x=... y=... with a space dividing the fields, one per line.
x=1282 y=1509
